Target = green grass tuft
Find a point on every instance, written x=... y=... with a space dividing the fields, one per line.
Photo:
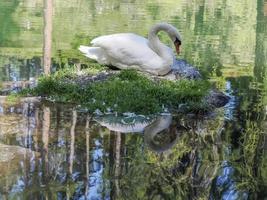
x=129 y=91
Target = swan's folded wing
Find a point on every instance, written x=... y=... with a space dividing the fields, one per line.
x=95 y=53
x=127 y=48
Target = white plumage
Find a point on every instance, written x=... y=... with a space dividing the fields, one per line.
x=128 y=50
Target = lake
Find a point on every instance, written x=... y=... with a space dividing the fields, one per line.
x=50 y=150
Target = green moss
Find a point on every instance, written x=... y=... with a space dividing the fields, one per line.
x=129 y=91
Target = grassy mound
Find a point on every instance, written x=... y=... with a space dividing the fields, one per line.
x=128 y=91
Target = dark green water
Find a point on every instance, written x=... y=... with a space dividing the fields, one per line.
x=50 y=151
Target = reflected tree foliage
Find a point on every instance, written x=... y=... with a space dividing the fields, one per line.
x=9 y=28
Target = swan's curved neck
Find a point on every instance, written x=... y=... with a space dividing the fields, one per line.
x=155 y=44
x=160 y=124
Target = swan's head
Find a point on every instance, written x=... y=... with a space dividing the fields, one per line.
x=175 y=37
x=171 y=31
x=177 y=44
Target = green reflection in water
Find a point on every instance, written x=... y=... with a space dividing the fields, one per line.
x=212 y=36
x=71 y=155
x=9 y=28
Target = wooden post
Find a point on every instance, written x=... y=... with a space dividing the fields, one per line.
x=47 y=46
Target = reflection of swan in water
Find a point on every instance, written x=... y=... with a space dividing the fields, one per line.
x=160 y=135
x=134 y=124
x=155 y=129
x=128 y=50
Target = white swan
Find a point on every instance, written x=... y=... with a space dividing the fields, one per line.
x=128 y=50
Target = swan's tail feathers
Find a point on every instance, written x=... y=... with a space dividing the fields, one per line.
x=95 y=53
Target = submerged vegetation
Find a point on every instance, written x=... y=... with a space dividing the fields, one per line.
x=127 y=91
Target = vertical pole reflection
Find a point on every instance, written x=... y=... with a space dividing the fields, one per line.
x=117 y=163
x=87 y=133
x=36 y=139
x=47 y=46
x=37 y=126
x=72 y=152
x=45 y=141
x=72 y=140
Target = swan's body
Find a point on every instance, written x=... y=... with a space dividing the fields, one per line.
x=128 y=50
x=150 y=128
